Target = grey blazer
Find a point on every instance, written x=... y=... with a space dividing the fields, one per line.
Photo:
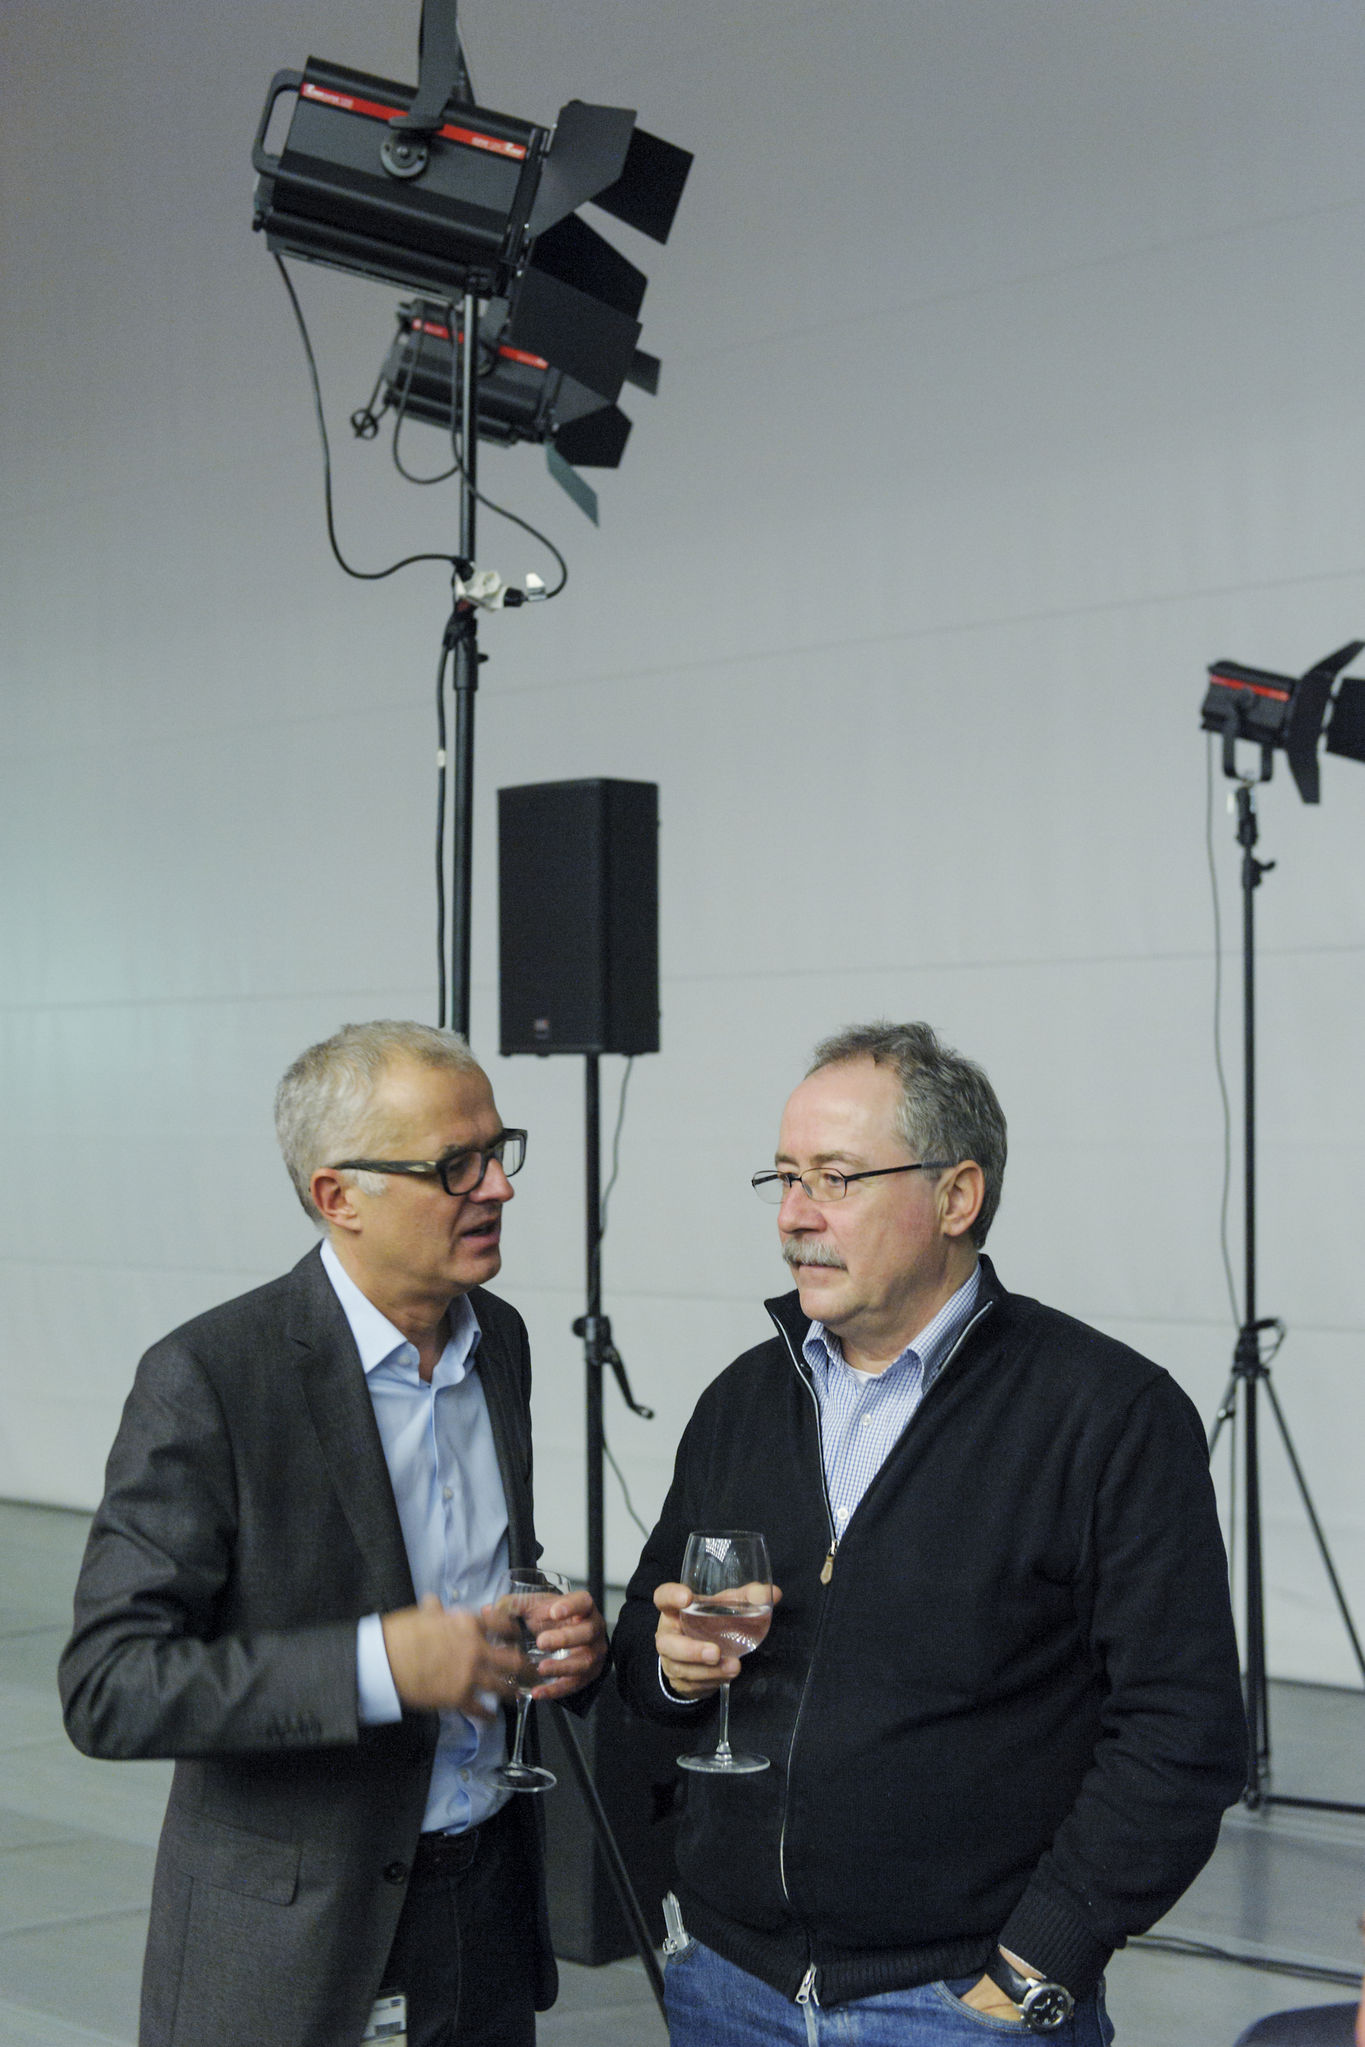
x=248 y=1522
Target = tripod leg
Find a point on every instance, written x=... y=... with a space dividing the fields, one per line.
x=616 y=1868
x=1316 y=1527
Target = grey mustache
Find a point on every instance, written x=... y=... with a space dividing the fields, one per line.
x=807 y=1251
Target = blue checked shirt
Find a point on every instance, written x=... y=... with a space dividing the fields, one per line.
x=863 y=1415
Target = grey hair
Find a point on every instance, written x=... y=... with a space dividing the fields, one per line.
x=948 y=1109
x=323 y=1104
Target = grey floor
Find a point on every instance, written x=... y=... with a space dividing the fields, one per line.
x=77 y=1839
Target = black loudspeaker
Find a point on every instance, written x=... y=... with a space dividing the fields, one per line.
x=578 y=917
x=633 y=1763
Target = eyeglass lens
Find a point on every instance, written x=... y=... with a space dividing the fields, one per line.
x=462 y=1173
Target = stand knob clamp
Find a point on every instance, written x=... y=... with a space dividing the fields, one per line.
x=595 y=1331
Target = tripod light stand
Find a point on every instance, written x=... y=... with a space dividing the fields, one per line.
x=1271 y=711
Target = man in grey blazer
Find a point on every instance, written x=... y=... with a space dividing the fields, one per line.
x=288 y=1587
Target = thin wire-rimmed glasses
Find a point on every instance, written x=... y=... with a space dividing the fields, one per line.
x=822 y=1183
x=459 y=1172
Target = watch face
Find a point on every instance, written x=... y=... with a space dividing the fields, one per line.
x=1047 y=2006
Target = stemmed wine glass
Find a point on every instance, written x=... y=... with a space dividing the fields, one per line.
x=730 y=1581
x=526 y=1596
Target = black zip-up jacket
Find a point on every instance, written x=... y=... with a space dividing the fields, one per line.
x=1013 y=1712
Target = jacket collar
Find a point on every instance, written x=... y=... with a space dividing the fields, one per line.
x=786 y=1312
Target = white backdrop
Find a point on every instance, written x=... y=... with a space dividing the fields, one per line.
x=1011 y=374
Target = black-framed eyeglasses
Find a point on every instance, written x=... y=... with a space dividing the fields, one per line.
x=459 y=1172
x=823 y=1184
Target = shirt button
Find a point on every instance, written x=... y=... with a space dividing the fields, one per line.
x=464 y=1776
x=866 y=1422
x=842 y=1514
x=447 y=1493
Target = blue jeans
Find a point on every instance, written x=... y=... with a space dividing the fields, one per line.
x=711 y=2003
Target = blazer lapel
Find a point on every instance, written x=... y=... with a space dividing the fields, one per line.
x=511 y=1436
x=339 y=1403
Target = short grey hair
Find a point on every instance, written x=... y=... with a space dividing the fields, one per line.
x=948 y=1109
x=323 y=1104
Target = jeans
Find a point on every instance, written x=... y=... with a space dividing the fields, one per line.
x=711 y=2003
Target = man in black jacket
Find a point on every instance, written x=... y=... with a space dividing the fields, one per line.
x=1000 y=1692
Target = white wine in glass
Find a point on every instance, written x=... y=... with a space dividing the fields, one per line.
x=730 y=1580
x=526 y=1596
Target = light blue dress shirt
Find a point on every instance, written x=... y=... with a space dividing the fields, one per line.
x=863 y=1415
x=443 y=1465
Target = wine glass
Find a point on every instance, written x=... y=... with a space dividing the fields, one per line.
x=526 y=1595
x=730 y=1580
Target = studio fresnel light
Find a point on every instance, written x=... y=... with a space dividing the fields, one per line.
x=519 y=396
x=427 y=191
x=1288 y=711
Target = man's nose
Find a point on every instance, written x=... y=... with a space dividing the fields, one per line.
x=495 y=1185
x=797 y=1210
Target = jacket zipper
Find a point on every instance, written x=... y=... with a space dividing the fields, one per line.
x=826 y=1573
x=809 y=1978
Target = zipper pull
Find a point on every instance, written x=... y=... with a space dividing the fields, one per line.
x=827 y=1568
x=807 y=1993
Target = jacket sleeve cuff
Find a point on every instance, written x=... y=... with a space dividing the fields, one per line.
x=1044 y=1930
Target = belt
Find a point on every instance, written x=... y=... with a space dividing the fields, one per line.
x=447 y=1854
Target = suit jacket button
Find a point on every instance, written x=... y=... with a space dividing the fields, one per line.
x=394 y=1872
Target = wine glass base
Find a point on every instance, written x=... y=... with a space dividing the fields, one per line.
x=717 y=1765
x=524 y=1777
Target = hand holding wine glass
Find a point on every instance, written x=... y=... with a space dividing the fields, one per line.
x=730 y=1604
x=526 y=1597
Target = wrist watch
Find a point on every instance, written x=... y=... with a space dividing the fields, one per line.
x=1045 y=2005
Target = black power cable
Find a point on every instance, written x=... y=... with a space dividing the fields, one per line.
x=361 y=575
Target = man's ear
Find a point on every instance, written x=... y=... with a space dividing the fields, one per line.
x=960 y=1195
x=334 y=1199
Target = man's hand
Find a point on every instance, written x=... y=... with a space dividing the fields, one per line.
x=693 y=1669
x=444 y=1657
x=574 y=1625
x=987 y=1996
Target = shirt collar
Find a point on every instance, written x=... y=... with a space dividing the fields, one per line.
x=930 y=1349
x=376 y=1338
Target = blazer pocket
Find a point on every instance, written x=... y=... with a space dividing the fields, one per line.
x=214 y=1853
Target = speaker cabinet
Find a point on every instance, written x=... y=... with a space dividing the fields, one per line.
x=578 y=916
x=634 y=1766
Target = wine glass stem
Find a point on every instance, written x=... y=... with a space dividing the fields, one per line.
x=523 y=1708
x=723 y=1736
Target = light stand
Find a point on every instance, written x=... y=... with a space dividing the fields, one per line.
x=1268 y=710
x=595 y=1329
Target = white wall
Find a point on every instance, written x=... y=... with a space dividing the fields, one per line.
x=1011 y=375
